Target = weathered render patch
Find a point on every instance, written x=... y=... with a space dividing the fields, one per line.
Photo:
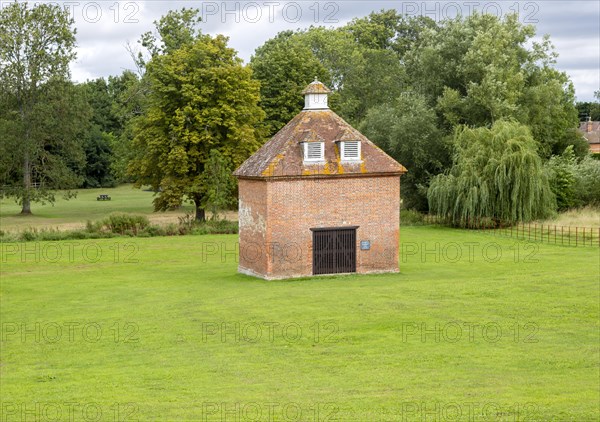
x=248 y=222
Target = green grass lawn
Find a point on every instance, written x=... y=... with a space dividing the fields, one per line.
x=80 y=209
x=474 y=328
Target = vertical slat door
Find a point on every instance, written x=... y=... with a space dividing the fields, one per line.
x=334 y=251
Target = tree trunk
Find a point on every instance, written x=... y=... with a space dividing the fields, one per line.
x=200 y=214
x=26 y=208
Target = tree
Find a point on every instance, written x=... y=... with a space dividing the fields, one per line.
x=589 y=109
x=42 y=113
x=219 y=182
x=200 y=98
x=128 y=94
x=284 y=66
x=172 y=31
x=562 y=171
x=548 y=108
x=98 y=159
x=407 y=131
x=388 y=30
x=481 y=69
x=496 y=174
x=361 y=77
x=97 y=139
x=588 y=181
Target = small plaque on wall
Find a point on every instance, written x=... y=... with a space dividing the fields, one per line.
x=365 y=245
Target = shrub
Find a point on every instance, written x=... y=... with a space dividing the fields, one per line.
x=28 y=235
x=411 y=218
x=574 y=183
x=51 y=235
x=152 y=231
x=120 y=224
x=588 y=181
x=93 y=226
x=561 y=170
x=123 y=223
x=171 y=229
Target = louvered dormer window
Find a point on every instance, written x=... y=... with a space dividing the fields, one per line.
x=313 y=151
x=350 y=150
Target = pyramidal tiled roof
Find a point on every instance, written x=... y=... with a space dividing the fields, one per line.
x=316 y=87
x=282 y=155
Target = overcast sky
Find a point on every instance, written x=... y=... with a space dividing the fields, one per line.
x=105 y=27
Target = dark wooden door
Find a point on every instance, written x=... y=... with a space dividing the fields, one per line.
x=334 y=250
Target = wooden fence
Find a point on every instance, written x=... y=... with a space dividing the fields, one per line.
x=534 y=232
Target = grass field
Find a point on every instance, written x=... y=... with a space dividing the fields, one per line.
x=75 y=212
x=474 y=328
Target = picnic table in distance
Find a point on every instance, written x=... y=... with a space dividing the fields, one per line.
x=103 y=197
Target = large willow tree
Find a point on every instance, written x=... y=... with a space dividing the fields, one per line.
x=497 y=174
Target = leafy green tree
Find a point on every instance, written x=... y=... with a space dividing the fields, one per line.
x=97 y=139
x=496 y=174
x=284 y=65
x=407 y=131
x=472 y=67
x=98 y=159
x=562 y=171
x=481 y=69
x=107 y=143
x=220 y=184
x=548 y=108
x=589 y=109
x=172 y=31
x=200 y=98
x=389 y=30
x=362 y=62
x=574 y=182
x=375 y=77
x=128 y=94
x=588 y=181
x=42 y=113
x=361 y=76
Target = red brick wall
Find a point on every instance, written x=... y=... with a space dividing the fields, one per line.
x=294 y=206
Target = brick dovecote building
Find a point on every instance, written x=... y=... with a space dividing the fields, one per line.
x=318 y=198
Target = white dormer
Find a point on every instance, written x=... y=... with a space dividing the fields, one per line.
x=313 y=151
x=315 y=96
x=350 y=150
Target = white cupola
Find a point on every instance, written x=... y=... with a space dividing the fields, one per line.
x=315 y=96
